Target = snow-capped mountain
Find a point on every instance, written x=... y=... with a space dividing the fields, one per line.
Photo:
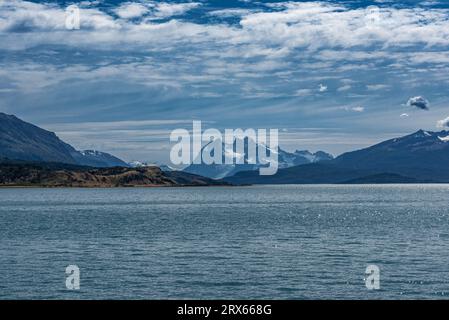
x=414 y=150
x=139 y=164
x=314 y=157
x=20 y=140
x=418 y=157
x=285 y=160
x=98 y=159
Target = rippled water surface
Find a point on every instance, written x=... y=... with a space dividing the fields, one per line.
x=264 y=242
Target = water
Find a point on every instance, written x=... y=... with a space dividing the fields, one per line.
x=260 y=242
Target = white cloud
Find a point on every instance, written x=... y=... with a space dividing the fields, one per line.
x=322 y=88
x=444 y=123
x=418 y=102
x=116 y=125
x=311 y=25
x=376 y=87
x=430 y=3
x=344 y=88
x=429 y=57
x=6 y=90
x=165 y=10
x=354 y=109
x=303 y=92
x=154 y=9
x=232 y=12
x=316 y=38
x=131 y=10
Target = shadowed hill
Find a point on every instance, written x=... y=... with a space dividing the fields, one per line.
x=13 y=173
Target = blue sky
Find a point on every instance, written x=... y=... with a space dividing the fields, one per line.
x=330 y=75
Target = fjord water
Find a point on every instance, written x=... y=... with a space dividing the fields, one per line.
x=264 y=242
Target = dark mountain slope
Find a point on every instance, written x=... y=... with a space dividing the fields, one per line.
x=419 y=157
x=98 y=159
x=20 y=140
x=24 y=141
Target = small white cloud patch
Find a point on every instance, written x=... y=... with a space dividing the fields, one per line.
x=354 y=109
x=131 y=10
x=344 y=88
x=303 y=92
x=418 y=102
x=443 y=123
x=376 y=87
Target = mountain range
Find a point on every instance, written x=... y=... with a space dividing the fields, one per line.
x=139 y=164
x=32 y=156
x=285 y=160
x=29 y=153
x=419 y=157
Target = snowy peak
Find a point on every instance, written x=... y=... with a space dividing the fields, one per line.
x=421 y=156
x=285 y=160
x=423 y=134
x=98 y=159
x=444 y=139
x=421 y=148
x=139 y=164
x=421 y=139
x=314 y=157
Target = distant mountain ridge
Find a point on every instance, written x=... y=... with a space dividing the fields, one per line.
x=285 y=160
x=20 y=140
x=139 y=164
x=98 y=159
x=422 y=156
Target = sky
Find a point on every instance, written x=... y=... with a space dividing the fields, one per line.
x=330 y=75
